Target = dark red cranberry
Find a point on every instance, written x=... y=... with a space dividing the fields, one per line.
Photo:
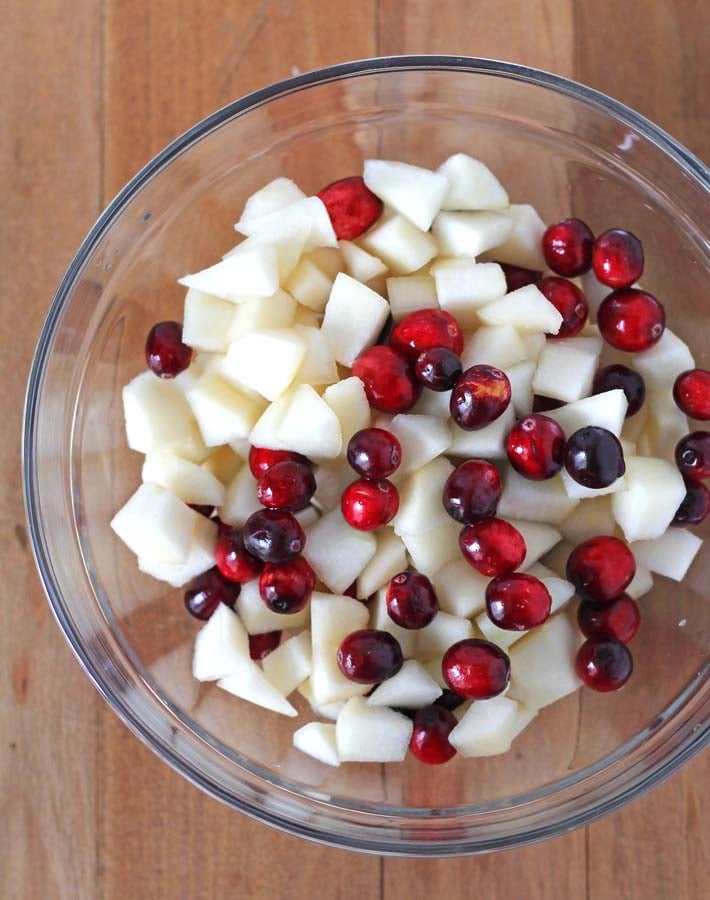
x=449 y=700
x=438 y=369
x=287 y=485
x=492 y=546
x=351 y=591
x=369 y=656
x=352 y=207
x=475 y=669
x=374 y=453
x=430 y=738
x=569 y=302
x=692 y=455
x=619 y=620
x=273 y=535
x=260 y=645
x=472 y=491
x=207 y=591
x=517 y=602
x=617 y=258
x=233 y=559
x=204 y=509
x=411 y=600
x=594 y=457
x=479 y=397
x=425 y=329
x=616 y=377
x=604 y=665
x=388 y=378
x=222 y=527
x=545 y=404
x=695 y=505
x=287 y=587
x=631 y=320
x=567 y=247
x=261 y=459
x=367 y=505
x=535 y=447
x=691 y=392
x=165 y=353
x=601 y=568
x=517 y=277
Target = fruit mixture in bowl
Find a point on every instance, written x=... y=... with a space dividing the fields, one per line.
x=402 y=425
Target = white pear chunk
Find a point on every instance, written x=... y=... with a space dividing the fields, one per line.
x=411 y=688
x=305 y=316
x=590 y=519
x=266 y=361
x=402 y=246
x=628 y=448
x=520 y=377
x=264 y=433
x=308 y=213
x=494 y=345
x=605 y=410
x=470 y=233
x=206 y=321
x=200 y=557
x=276 y=195
x=354 y=317
x=523 y=717
x=310 y=426
x=535 y=343
x=337 y=552
x=472 y=185
x=526 y=309
x=257 y=313
x=289 y=664
x=671 y=555
x=654 y=491
x=318 y=366
x=329 y=711
x=307 y=517
x=441 y=633
x=389 y=560
x=460 y=589
x=433 y=403
x=433 y=668
x=240 y=499
x=258 y=618
x=408 y=293
x=329 y=259
x=565 y=370
x=543 y=665
x=539 y=539
x=534 y=501
x=221 y=646
x=249 y=683
x=666 y=423
x=523 y=244
x=642 y=582
x=380 y=619
x=223 y=412
x=252 y=271
x=463 y=286
x=332 y=478
x=156 y=524
x=594 y=291
x=420 y=506
x=560 y=590
x=577 y=491
x=317 y=739
x=371 y=734
x=501 y=637
x=487 y=728
x=333 y=618
x=414 y=192
x=223 y=463
x=359 y=264
x=309 y=285
x=188 y=481
x=348 y=401
x=484 y=443
x=557 y=558
x=431 y=550
x=423 y=438
x=662 y=364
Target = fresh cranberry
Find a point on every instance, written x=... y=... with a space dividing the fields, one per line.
x=617 y=258
x=449 y=700
x=260 y=645
x=492 y=546
x=535 y=447
x=569 y=302
x=352 y=207
x=367 y=505
x=369 y=656
x=165 y=352
x=261 y=459
x=374 y=453
x=273 y=535
x=692 y=393
x=425 y=329
x=616 y=377
x=233 y=559
x=517 y=602
x=207 y=591
x=388 y=378
x=472 y=491
x=287 y=587
x=631 y=320
x=411 y=600
x=480 y=396
x=204 y=509
x=545 y=404
x=619 y=620
x=692 y=455
x=604 y=665
x=222 y=527
x=601 y=568
x=475 y=669
x=438 y=369
x=594 y=457
x=287 y=485
x=517 y=277
x=430 y=738
x=695 y=505
x=567 y=247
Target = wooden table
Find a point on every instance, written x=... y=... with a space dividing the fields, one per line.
x=91 y=90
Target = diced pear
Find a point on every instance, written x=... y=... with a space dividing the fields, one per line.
x=412 y=191
x=200 y=556
x=654 y=491
x=423 y=438
x=221 y=646
x=348 y=401
x=472 y=185
x=402 y=246
x=442 y=632
x=594 y=291
x=605 y=410
x=249 y=272
x=431 y=550
x=487 y=728
x=310 y=426
x=309 y=285
x=240 y=499
x=317 y=739
x=560 y=590
x=264 y=433
x=276 y=195
x=257 y=313
x=333 y=618
x=337 y=552
x=307 y=517
x=266 y=361
x=671 y=555
x=411 y=688
x=566 y=368
x=520 y=377
x=329 y=259
x=408 y=293
x=662 y=364
x=642 y=582
x=494 y=345
x=305 y=316
x=539 y=539
x=501 y=637
x=258 y=618
x=666 y=423
x=433 y=403
x=223 y=412
x=308 y=212
x=389 y=560
x=433 y=668
x=329 y=711
x=380 y=619
x=332 y=477
x=526 y=309
x=223 y=463
x=156 y=524
x=534 y=501
x=318 y=366
x=557 y=558
x=485 y=443
x=543 y=665
x=523 y=717
x=249 y=683
x=287 y=236
x=535 y=343
x=206 y=321
x=371 y=734
x=577 y=491
x=360 y=264
x=188 y=481
x=522 y=246
x=590 y=519
x=354 y=317
x=289 y=664
x=463 y=286
x=420 y=506
x=470 y=233
x=461 y=590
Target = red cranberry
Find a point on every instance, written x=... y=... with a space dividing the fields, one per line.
x=695 y=505
x=631 y=320
x=594 y=457
x=569 y=302
x=449 y=700
x=388 y=378
x=617 y=258
x=535 y=447
x=619 y=620
x=352 y=207
x=374 y=453
x=604 y=665
x=601 y=568
x=517 y=277
x=260 y=645
x=425 y=329
x=430 y=738
x=369 y=656
x=472 y=491
x=475 y=669
x=273 y=535
x=367 y=505
x=233 y=559
x=492 y=546
x=165 y=352
x=545 y=404
x=567 y=247
x=287 y=587
x=480 y=396
x=692 y=455
x=204 y=509
x=438 y=369
x=261 y=459
x=411 y=600
x=691 y=392
x=517 y=602
x=287 y=485
x=207 y=591
x=612 y=378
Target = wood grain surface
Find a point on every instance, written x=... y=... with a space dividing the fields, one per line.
x=90 y=91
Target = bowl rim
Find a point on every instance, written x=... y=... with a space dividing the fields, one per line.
x=378 y=840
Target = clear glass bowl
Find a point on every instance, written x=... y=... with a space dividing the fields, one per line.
x=556 y=144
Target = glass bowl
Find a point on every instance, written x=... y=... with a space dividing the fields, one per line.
x=564 y=148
